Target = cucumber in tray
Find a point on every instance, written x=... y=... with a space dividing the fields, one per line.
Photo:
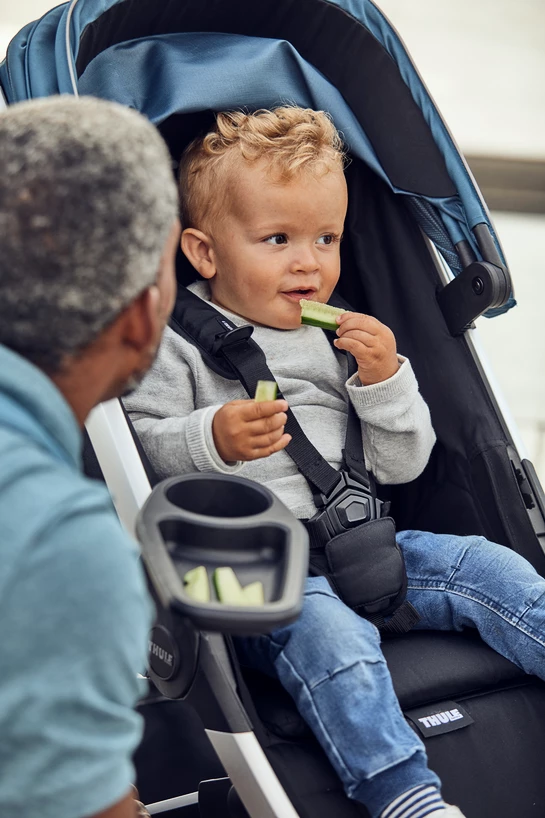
x=265 y=390
x=196 y=584
x=230 y=591
x=316 y=314
x=228 y=588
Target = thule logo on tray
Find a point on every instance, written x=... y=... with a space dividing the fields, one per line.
x=443 y=717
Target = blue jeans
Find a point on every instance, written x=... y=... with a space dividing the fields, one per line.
x=331 y=663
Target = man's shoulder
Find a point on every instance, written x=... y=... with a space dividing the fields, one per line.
x=31 y=478
x=44 y=503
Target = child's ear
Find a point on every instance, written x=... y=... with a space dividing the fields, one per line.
x=196 y=246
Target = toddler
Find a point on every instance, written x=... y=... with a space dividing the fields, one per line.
x=264 y=200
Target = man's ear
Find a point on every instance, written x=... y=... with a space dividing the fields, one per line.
x=197 y=247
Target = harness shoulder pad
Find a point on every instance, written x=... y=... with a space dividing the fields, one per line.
x=206 y=328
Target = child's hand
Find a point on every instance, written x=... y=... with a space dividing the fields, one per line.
x=372 y=344
x=246 y=430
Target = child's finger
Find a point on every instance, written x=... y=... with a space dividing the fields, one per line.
x=266 y=451
x=254 y=410
x=266 y=440
x=263 y=426
x=366 y=339
x=353 y=346
x=355 y=320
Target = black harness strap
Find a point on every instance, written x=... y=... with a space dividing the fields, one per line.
x=251 y=368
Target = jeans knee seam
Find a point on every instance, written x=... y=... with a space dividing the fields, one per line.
x=332 y=744
x=320 y=592
x=460 y=561
x=511 y=621
x=342 y=669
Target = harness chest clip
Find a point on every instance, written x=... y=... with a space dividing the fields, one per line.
x=348 y=504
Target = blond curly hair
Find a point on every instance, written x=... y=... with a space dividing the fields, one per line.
x=289 y=139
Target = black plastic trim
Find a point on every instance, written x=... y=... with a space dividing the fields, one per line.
x=481 y=286
x=487 y=246
x=214 y=693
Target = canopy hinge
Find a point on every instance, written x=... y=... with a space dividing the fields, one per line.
x=480 y=287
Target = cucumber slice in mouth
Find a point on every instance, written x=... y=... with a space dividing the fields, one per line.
x=316 y=314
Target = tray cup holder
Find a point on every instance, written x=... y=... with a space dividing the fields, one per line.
x=215 y=497
x=224 y=521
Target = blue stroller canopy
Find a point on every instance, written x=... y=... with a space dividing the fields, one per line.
x=342 y=56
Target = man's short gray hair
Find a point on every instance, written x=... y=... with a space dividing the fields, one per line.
x=87 y=201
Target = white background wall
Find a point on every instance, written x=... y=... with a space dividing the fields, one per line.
x=484 y=63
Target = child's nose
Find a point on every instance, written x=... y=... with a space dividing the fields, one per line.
x=305 y=260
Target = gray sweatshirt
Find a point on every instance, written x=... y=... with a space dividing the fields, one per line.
x=174 y=407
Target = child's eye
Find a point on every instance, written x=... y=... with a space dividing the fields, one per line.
x=278 y=238
x=328 y=239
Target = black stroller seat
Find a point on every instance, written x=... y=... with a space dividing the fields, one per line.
x=445 y=673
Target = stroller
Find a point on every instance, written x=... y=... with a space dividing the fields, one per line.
x=420 y=253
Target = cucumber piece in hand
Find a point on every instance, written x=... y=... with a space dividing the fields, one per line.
x=196 y=584
x=316 y=314
x=265 y=390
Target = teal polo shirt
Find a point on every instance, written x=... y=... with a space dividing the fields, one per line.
x=74 y=614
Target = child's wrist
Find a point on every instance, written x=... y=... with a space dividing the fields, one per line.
x=380 y=376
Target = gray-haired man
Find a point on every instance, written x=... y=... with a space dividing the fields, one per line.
x=88 y=234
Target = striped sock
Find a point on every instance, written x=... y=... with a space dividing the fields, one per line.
x=420 y=802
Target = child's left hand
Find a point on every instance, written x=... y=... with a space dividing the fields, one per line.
x=372 y=344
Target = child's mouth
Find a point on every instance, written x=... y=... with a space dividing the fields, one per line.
x=298 y=295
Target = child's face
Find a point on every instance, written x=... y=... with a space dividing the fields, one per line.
x=276 y=243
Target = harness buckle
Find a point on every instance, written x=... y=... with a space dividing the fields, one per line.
x=232 y=336
x=347 y=505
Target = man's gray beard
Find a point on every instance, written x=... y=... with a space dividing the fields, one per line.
x=132 y=384
x=136 y=378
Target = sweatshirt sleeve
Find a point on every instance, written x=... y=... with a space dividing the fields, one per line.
x=396 y=426
x=176 y=436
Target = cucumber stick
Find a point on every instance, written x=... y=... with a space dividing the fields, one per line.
x=253 y=594
x=228 y=588
x=316 y=314
x=196 y=584
x=265 y=390
x=230 y=591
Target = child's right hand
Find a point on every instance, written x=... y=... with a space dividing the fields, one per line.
x=246 y=430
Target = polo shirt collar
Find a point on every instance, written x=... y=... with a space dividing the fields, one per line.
x=38 y=399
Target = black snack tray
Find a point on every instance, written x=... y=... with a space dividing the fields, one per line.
x=216 y=521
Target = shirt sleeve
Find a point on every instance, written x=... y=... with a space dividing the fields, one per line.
x=396 y=426
x=73 y=640
x=176 y=436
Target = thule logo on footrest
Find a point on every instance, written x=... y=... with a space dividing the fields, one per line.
x=443 y=717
